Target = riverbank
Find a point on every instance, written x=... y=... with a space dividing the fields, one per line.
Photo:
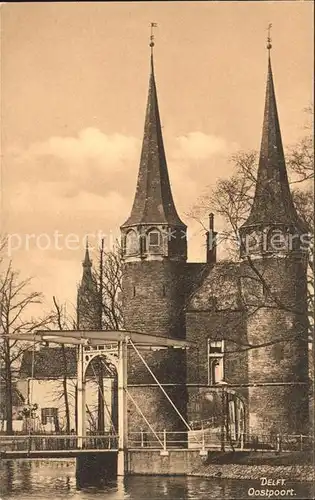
x=297 y=473
x=293 y=466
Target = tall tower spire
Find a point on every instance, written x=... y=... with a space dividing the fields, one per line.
x=154 y=250
x=272 y=204
x=153 y=203
x=88 y=303
x=274 y=286
x=87 y=266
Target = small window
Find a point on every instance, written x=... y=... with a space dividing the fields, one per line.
x=132 y=243
x=216 y=370
x=49 y=415
x=154 y=238
x=216 y=347
x=278 y=241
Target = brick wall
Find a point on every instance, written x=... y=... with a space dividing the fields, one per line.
x=153 y=303
x=214 y=312
x=277 y=331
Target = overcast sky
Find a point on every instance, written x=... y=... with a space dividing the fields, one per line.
x=74 y=89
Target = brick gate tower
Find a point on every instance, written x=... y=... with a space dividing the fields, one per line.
x=155 y=251
x=273 y=253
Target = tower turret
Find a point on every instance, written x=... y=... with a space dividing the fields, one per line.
x=273 y=225
x=275 y=290
x=154 y=252
x=153 y=230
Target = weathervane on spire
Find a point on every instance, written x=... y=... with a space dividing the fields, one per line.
x=269 y=45
x=152 y=26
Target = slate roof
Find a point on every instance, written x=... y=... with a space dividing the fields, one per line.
x=49 y=363
x=153 y=201
x=219 y=289
x=273 y=201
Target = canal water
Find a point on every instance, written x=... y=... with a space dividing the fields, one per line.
x=38 y=480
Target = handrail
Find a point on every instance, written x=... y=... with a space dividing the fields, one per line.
x=58 y=436
x=141 y=439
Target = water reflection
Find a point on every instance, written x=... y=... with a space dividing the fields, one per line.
x=40 y=480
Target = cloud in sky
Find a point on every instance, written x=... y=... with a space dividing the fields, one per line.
x=90 y=144
x=92 y=176
x=112 y=151
x=86 y=183
x=200 y=146
x=100 y=163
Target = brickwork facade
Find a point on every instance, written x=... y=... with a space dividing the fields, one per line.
x=248 y=319
x=277 y=330
x=153 y=298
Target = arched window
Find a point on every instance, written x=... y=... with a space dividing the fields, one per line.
x=278 y=241
x=132 y=243
x=216 y=371
x=153 y=239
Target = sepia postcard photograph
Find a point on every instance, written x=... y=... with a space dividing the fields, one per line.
x=156 y=250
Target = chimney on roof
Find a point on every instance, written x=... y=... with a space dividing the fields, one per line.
x=211 y=241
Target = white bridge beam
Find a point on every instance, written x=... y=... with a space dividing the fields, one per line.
x=104 y=339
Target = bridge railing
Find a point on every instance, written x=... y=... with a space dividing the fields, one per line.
x=214 y=439
x=162 y=439
x=62 y=442
x=279 y=442
x=203 y=439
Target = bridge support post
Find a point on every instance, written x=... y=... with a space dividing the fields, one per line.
x=80 y=398
x=122 y=407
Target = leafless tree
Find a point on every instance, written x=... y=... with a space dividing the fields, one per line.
x=300 y=156
x=232 y=198
x=16 y=302
x=62 y=324
x=109 y=279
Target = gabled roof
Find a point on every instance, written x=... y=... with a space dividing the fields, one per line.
x=219 y=289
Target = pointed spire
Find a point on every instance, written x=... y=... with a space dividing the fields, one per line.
x=87 y=297
x=87 y=277
x=87 y=261
x=272 y=201
x=153 y=201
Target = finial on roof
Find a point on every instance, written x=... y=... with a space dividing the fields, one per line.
x=87 y=261
x=152 y=26
x=273 y=200
x=269 y=45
